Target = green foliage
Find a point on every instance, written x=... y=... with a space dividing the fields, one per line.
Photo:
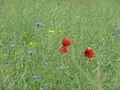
x=86 y=23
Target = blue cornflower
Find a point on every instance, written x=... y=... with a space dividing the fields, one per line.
x=114 y=33
x=41 y=88
x=14 y=81
x=61 y=68
x=37 y=24
x=37 y=77
x=117 y=29
x=6 y=62
x=30 y=52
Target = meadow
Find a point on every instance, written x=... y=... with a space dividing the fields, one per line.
x=31 y=32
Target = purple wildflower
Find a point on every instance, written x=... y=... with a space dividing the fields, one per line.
x=117 y=29
x=6 y=62
x=37 y=77
x=37 y=24
x=61 y=68
x=41 y=88
x=30 y=52
x=14 y=81
x=113 y=34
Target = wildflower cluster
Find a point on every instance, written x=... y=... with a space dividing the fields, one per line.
x=88 y=53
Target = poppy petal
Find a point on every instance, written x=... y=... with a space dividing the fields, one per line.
x=88 y=53
x=66 y=42
x=63 y=49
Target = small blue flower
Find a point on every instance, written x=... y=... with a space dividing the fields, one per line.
x=117 y=29
x=113 y=34
x=41 y=88
x=38 y=24
x=37 y=77
x=30 y=52
x=14 y=81
x=61 y=68
x=6 y=62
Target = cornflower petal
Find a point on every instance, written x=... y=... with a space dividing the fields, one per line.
x=38 y=24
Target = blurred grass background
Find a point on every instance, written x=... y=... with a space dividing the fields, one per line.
x=86 y=23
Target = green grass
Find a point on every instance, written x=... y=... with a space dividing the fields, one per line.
x=86 y=23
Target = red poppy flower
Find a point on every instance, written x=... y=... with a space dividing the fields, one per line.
x=88 y=53
x=63 y=49
x=66 y=42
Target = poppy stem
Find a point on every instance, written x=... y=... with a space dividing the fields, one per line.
x=87 y=61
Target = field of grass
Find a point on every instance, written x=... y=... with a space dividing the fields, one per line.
x=86 y=23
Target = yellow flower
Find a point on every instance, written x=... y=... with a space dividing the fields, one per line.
x=51 y=31
x=24 y=34
x=89 y=48
x=32 y=44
